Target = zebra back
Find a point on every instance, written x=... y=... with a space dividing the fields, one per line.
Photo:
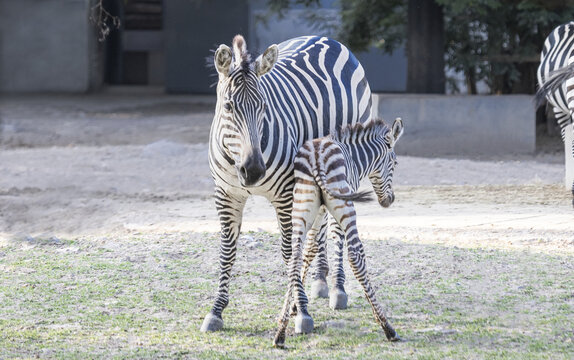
x=317 y=86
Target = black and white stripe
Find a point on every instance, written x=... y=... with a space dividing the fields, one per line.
x=556 y=78
x=266 y=109
x=327 y=175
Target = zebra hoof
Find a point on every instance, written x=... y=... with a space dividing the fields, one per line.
x=319 y=289
x=338 y=299
x=211 y=323
x=391 y=334
x=303 y=324
x=279 y=341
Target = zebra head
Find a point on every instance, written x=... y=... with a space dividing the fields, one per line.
x=241 y=107
x=382 y=175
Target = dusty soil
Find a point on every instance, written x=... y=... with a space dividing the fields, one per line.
x=119 y=164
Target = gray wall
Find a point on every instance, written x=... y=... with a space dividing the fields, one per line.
x=46 y=46
x=461 y=125
x=192 y=29
x=386 y=73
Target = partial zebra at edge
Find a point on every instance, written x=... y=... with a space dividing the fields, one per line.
x=553 y=82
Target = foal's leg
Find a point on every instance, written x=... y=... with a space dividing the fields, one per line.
x=338 y=296
x=311 y=248
x=304 y=215
x=316 y=248
x=344 y=213
x=295 y=292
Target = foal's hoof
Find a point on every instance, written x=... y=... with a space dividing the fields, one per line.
x=391 y=334
x=319 y=289
x=303 y=324
x=279 y=341
x=211 y=323
x=338 y=299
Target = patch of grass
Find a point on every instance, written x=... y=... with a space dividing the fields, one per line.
x=145 y=298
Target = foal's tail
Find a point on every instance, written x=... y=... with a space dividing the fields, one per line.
x=321 y=179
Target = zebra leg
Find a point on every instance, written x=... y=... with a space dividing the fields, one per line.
x=338 y=297
x=309 y=253
x=572 y=157
x=283 y=209
x=359 y=266
x=230 y=211
x=564 y=119
x=296 y=292
x=319 y=287
x=283 y=320
x=344 y=213
x=571 y=162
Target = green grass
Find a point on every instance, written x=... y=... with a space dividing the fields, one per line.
x=145 y=297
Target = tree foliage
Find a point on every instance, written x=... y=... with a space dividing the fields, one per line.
x=497 y=41
x=500 y=41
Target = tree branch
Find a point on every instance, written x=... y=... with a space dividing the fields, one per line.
x=100 y=17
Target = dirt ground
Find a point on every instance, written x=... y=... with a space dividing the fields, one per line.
x=108 y=246
x=122 y=163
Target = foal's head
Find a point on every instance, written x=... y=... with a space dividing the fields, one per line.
x=382 y=174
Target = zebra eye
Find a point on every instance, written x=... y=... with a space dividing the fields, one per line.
x=227 y=106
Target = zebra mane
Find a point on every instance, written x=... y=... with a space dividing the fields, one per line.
x=346 y=134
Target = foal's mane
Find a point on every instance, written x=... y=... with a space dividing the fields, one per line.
x=376 y=127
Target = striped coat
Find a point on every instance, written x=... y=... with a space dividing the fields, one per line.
x=300 y=89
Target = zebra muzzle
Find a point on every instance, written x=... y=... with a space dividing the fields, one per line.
x=251 y=170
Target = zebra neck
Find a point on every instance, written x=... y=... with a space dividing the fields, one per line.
x=362 y=156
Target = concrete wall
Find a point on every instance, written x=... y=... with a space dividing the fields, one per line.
x=386 y=73
x=192 y=30
x=461 y=125
x=46 y=46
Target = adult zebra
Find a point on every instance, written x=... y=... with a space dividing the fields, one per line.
x=556 y=81
x=266 y=109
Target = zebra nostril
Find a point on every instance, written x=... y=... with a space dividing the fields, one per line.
x=243 y=171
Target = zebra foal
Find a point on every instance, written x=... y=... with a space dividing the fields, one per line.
x=327 y=175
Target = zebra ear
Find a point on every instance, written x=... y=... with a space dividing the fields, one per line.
x=222 y=60
x=397 y=130
x=265 y=62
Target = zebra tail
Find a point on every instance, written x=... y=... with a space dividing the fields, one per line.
x=553 y=82
x=363 y=196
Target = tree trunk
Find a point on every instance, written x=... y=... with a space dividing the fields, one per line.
x=425 y=47
x=470 y=77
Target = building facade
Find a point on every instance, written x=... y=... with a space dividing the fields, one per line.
x=52 y=45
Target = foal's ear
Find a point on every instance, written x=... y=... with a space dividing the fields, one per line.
x=222 y=60
x=267 y=60
x=397 y=130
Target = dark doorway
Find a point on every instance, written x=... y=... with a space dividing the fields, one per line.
x=134 y=54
